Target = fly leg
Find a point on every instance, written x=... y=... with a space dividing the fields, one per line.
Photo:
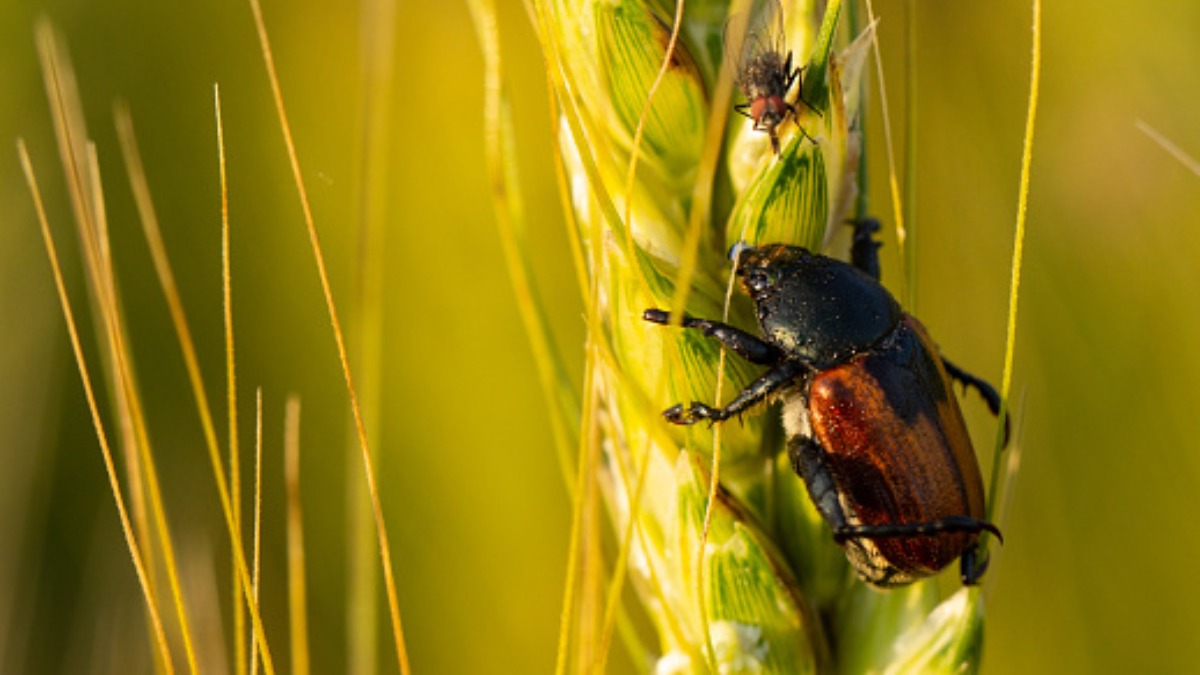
x=793 y=76
x=797 y=75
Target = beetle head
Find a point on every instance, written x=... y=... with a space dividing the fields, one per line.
x=816 y=308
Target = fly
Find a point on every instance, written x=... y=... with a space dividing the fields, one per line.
x=755 y=47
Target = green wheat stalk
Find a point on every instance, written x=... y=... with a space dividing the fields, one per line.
x=730 y=562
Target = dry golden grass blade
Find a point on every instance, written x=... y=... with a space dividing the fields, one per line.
x=1170 y=146
x=376 y=117
x=314 y=240
x=911 y=148
x=86 y=192
x=561 y=181
x=235 y=477
x=256 y=562
x=592 y=577
x=160 y=637
x=562 y=401
x=71 y=132
x=893 y=179
x=574 y=562
x=297 y=602
x=1035 y=78
x=166 y=278
x=583 y=589
x=612 y=606
x=133 y=415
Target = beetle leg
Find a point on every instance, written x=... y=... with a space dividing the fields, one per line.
x=756 y=392
x=972 y=565
x=901 y=530
x=745 y=345
x=987 y=391
x=864 y=252
x=808 y=461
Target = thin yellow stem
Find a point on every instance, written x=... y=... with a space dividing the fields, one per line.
x=235 y=475
x=577 y=512
x=1167 y=144
x=101 y=273
x=256 y=563
x=377 y=26
x=911 y=146
x=893 y=179
x=131 y=542
x=1019 y=240
x=187 y=345
x=613 y=599
x=570 y=221
x=339 y=338
x=82 y=167
x=71 y=134
x=297 y=602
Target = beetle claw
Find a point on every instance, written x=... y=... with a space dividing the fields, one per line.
x=973 y=566
x=656 y=316
x=702 y=411
x=677 y=415
x=697 y=411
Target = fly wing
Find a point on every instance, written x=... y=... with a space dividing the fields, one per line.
x=735 y=40
x=766 y=27
x=749 y=35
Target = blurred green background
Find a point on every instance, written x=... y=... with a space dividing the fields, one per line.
x=1101 y=536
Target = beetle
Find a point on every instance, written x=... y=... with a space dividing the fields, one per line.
x=871 y=420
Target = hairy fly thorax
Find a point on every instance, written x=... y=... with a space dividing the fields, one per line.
x=765 y=75
x=764 y=83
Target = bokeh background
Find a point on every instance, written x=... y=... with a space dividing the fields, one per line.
x=1102 y=539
